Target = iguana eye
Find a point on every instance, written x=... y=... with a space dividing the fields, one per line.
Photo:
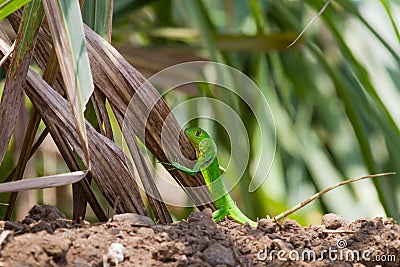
x=198 y=133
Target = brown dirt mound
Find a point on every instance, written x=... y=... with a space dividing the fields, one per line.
x=199 y=242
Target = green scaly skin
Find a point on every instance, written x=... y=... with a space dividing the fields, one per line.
x=207 y=163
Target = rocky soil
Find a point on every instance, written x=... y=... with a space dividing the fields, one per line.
x=46 y=238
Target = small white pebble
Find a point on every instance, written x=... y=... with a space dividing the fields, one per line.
x=116 y=251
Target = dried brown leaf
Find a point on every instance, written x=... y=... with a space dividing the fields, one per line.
x=43 y=182
x=108 y=168
x=159 y=208
x=119 y=81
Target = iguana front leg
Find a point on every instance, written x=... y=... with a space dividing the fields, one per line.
x=186 y=170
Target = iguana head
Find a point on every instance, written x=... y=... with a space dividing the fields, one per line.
x=196 y=135
x=203 y=144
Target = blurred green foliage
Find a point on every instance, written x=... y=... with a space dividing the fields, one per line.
x=333 y=94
